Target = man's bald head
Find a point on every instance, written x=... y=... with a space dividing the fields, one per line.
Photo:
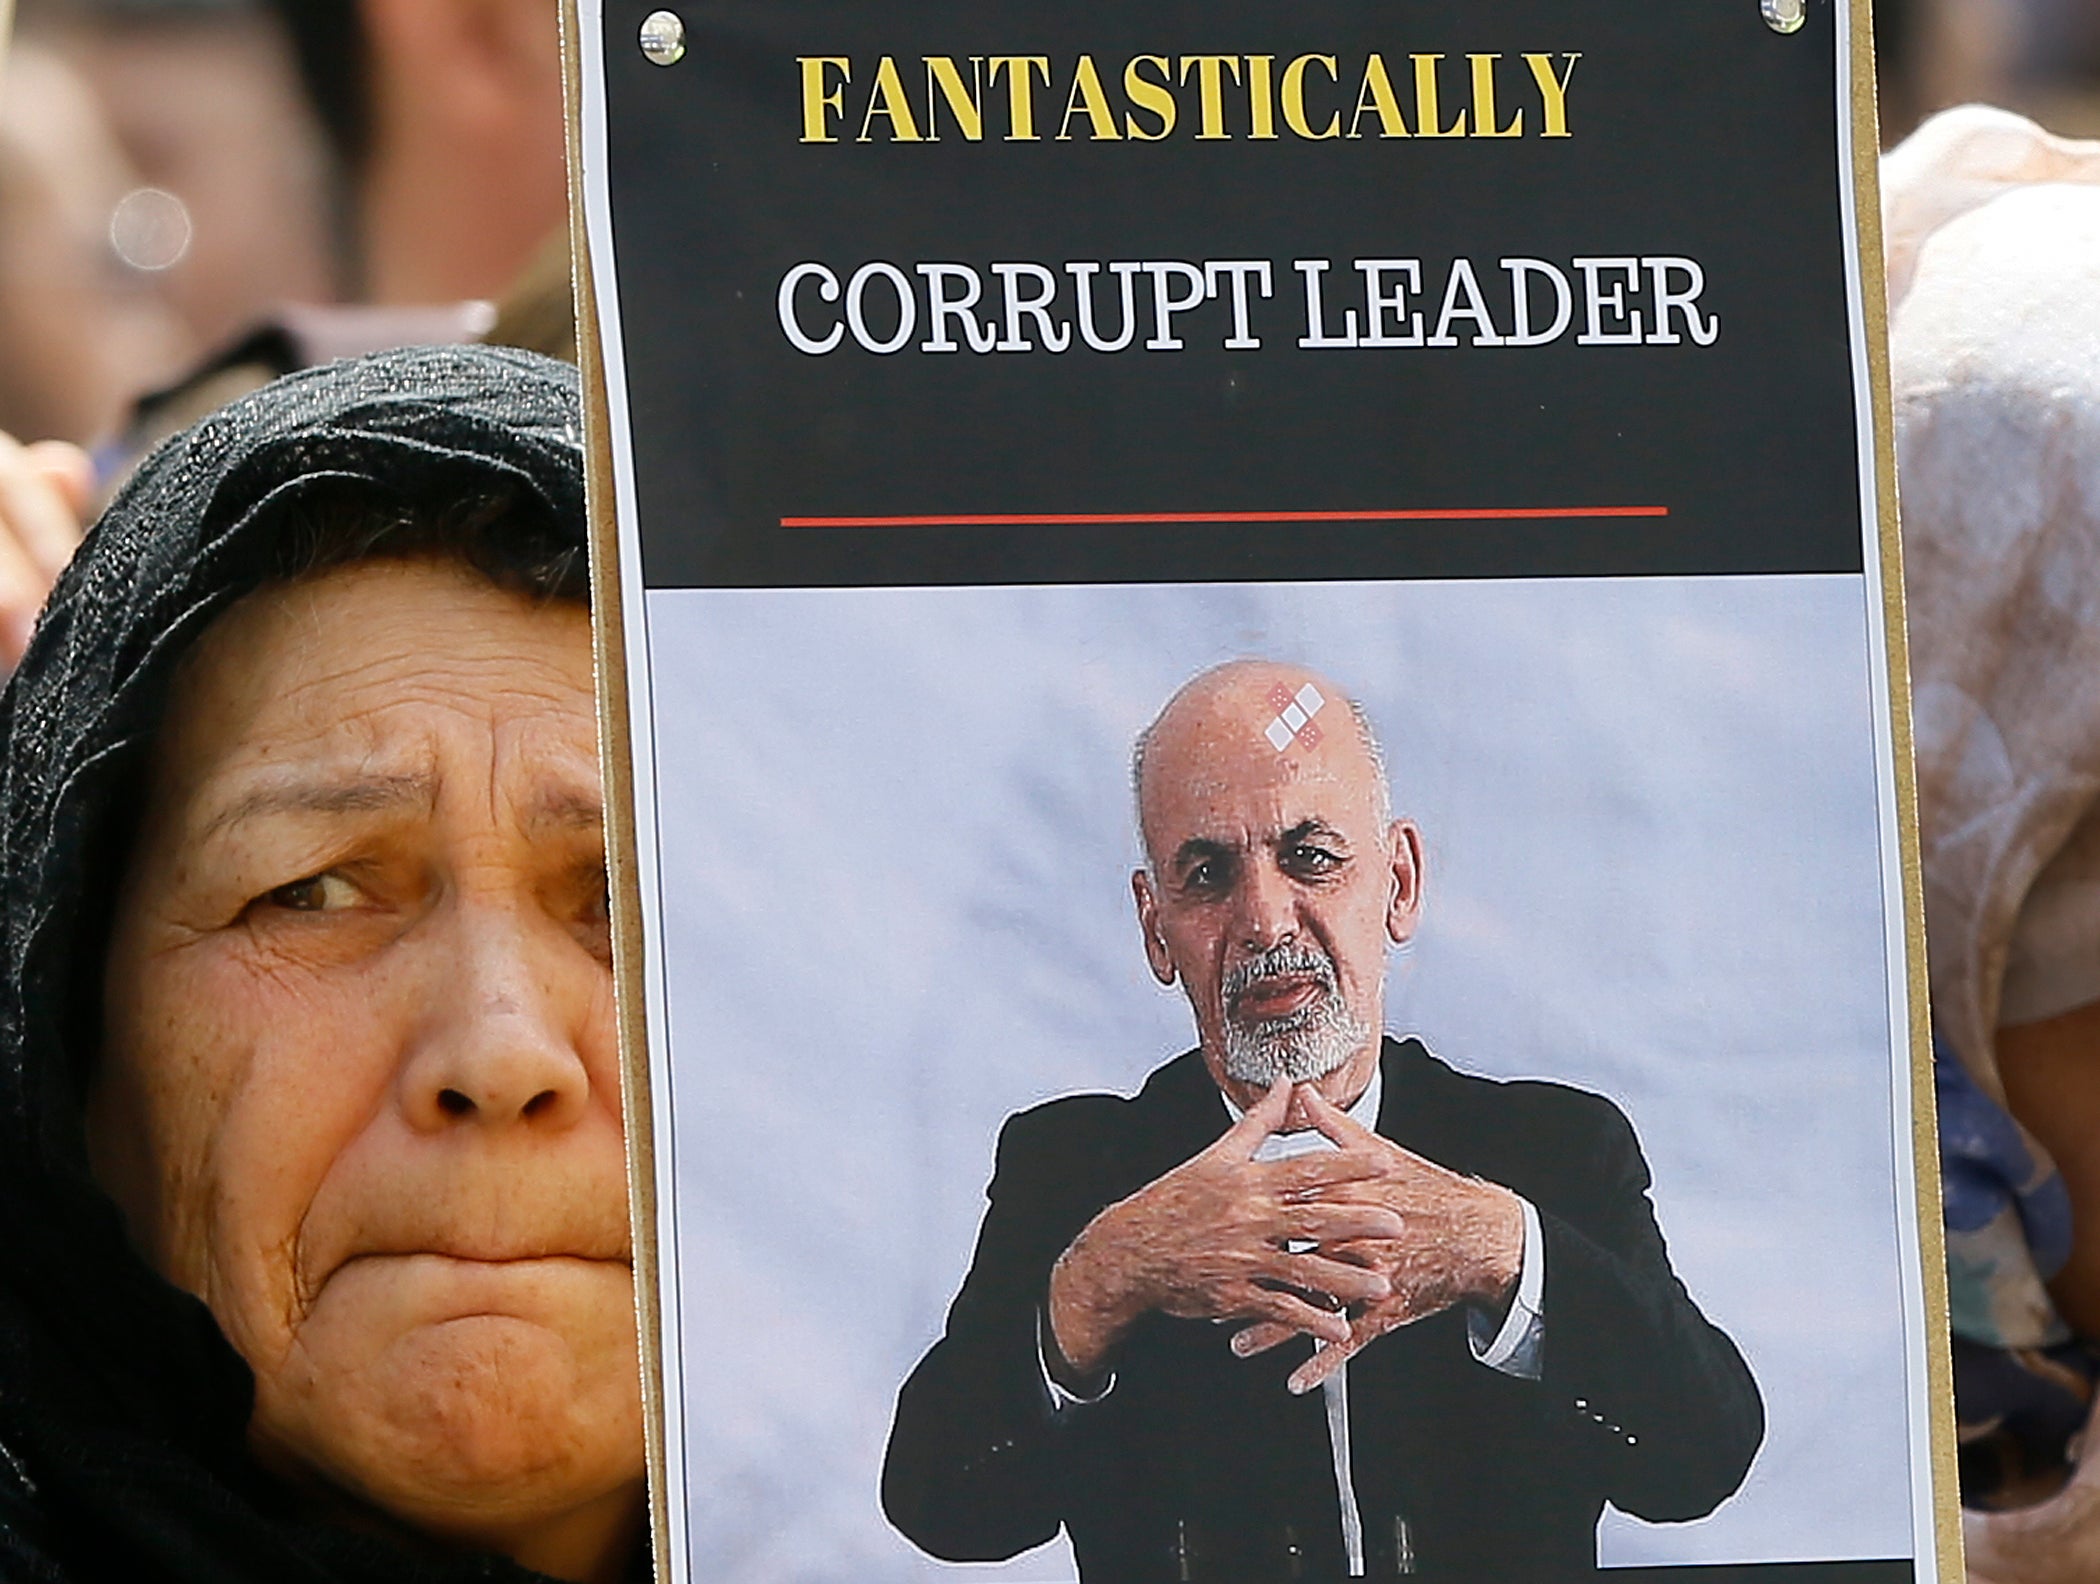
x=1275 y=876
x=1240 y=691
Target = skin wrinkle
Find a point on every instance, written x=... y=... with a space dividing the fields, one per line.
x=370 y=876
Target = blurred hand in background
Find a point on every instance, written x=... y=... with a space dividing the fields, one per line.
x=44 y=494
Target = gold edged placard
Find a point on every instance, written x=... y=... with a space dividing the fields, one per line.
x=616 y=753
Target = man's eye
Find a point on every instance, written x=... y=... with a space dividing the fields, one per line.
x=1313 y=860
x=321 y=893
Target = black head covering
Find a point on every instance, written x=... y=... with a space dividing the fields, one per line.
x=122 y=1409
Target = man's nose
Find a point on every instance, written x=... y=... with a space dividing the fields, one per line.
x=1267 y=914
x=508 y=1006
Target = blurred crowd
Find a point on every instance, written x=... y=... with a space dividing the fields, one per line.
x=188 y=186
x=199 y=195
x=2039 y=57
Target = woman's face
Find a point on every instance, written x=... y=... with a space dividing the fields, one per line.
x=359 y=1088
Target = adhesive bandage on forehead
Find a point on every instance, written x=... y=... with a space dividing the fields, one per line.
x=1294 y=717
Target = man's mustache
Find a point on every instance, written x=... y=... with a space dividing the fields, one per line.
x=1284 y=959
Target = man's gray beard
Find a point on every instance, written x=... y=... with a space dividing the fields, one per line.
x=1301 y=1046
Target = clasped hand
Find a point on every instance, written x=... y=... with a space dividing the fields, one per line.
x=1342 y=1246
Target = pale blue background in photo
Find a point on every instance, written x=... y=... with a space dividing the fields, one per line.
x=895 y=843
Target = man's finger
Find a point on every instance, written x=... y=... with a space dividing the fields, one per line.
x=1303 y=1178
x=1351 y=1283
x=1260 y=1337
x=1287 y=1309
x=1327 y=1222
x=1332 y=1121
x=1372 y=1324
x=1315 y=1370
x=1245 y=1136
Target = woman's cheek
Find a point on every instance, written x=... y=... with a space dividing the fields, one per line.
x=283 y=1071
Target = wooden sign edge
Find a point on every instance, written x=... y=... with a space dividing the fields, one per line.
x=616 y=761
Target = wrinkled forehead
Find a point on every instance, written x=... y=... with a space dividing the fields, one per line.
x=1256 y=747
x=396 y=674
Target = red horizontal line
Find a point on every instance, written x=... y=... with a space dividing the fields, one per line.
x=1091 y=519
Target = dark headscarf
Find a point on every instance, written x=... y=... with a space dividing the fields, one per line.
x=122 y=1408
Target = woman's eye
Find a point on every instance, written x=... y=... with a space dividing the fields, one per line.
x=319 y=893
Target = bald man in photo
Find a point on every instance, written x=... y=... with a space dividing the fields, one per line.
x=1313 y=1303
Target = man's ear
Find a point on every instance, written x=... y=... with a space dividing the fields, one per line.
x=1148 y=923
x=1403 y=908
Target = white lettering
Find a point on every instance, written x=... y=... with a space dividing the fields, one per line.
x=940 y=308
x=1165 y=304
x=1686 y=302
x=1082 y=273
x=1521 y=333
x=1315 y=310
x=907 y=307
x=828 y=289
x=1056 y=337
x=1238 y=272
x=1378 y=302
x=1463 y=284
x=1596 y=300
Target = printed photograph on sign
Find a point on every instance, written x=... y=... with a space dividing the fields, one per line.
x=1637 y=894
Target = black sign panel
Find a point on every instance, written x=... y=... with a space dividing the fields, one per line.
x=1325 y=290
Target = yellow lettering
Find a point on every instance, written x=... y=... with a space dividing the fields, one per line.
x=965 y=102
x=1553 y=91
x=1210 y=89
x=1294 y=97
x=1377 y=94
x=1145 y=94
x=1484 y=101
x=1261 y=108
x=1088 y=95
x=1426 y=116
x=886 y=98
x=815 y=101
x=1021 y=72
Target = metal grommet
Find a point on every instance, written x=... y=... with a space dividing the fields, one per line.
x=1784 y=16
x=663 y=37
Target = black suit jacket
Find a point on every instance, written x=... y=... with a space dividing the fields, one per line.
x=1200 y=1465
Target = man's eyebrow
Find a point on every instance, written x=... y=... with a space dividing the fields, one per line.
x=1196 y=850
x=355 y=794
x=1306 y=829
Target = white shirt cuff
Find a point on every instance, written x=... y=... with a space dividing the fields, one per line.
x=1061 y=1400
x=1518 y=1348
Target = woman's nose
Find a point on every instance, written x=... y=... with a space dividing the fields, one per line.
x=500 y=1047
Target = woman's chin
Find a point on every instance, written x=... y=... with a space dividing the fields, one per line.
x=462 y=1426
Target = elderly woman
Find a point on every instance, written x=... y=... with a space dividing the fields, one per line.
x=314 y=1255
x=1994 y=251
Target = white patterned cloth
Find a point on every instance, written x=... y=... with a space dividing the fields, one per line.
x=1993 y=240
